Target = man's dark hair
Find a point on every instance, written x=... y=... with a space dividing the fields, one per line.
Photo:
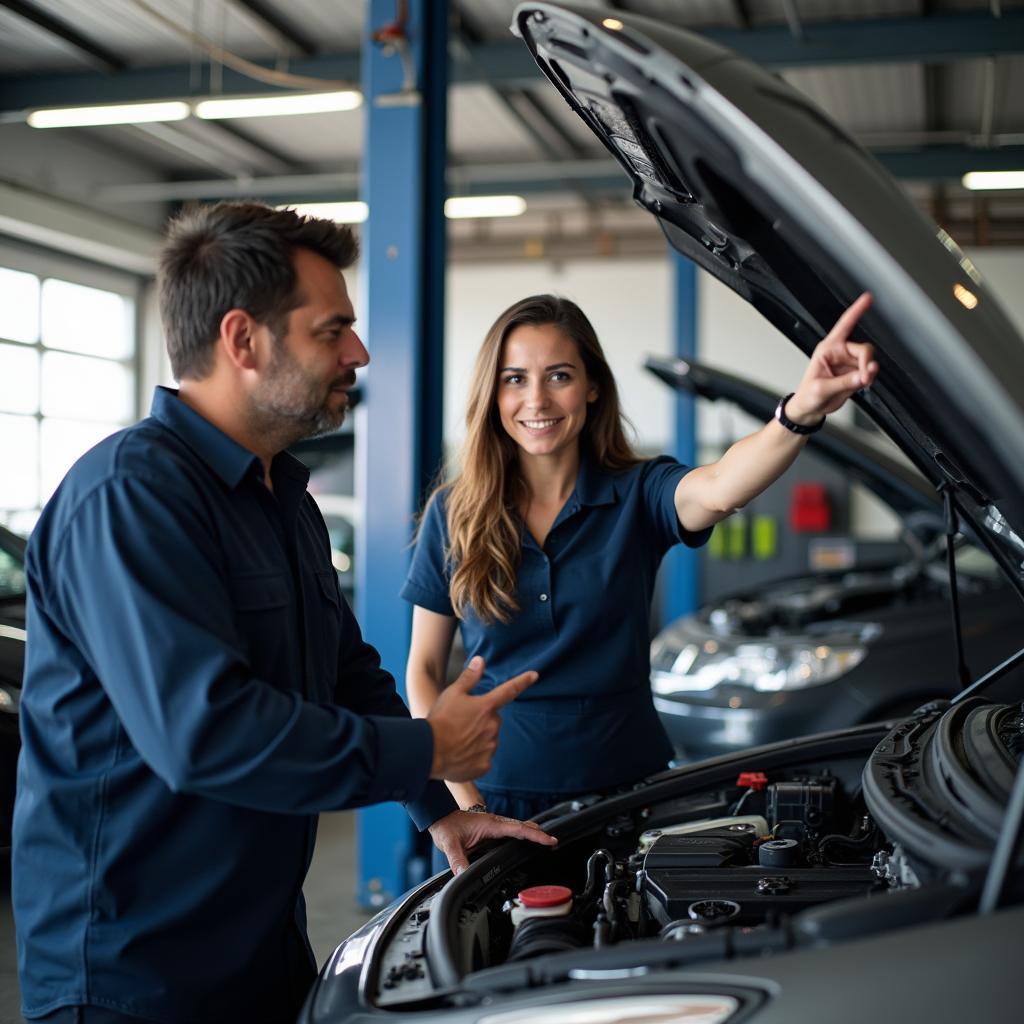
x=236 y=256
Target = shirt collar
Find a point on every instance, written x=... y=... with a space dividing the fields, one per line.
x=595 y=485
x=226 y=457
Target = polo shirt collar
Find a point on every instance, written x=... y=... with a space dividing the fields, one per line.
x=595 y=485
x=226 y=457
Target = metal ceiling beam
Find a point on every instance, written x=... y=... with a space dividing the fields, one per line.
x=279 y=25
x=547 y=135
x=216 y=145
x=937 y=39
x=920 y=163
x=741 y=14
x=167 y=82
x=88 y=49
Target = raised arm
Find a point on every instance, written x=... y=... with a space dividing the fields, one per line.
x=838 y=367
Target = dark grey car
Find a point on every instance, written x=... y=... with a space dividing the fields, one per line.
x=12 y=665
x=823 y=650
x=872 y=873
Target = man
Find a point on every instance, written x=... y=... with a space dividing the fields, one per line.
x=196 y=689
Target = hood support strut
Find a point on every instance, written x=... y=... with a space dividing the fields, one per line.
x=946 y=490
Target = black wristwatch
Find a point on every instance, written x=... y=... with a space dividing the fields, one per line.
x=796 y=428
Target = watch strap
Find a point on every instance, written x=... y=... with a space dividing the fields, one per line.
x=796 y=428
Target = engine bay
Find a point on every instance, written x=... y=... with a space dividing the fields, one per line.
x=804 y=844
x=781 y=848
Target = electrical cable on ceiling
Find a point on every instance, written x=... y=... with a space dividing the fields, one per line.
x=284 y=79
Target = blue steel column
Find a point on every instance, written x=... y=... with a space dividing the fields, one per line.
x=398 y=434
x=682 y=593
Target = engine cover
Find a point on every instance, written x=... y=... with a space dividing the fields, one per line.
x=759 y=891
x=720 y=865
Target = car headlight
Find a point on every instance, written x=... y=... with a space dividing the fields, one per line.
x=9 y=699
x=639 y=1009
x=686 y=664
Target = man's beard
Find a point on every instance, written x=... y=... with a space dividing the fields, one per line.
x=290 y=404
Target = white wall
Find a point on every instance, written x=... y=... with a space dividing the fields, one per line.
x=629 y=304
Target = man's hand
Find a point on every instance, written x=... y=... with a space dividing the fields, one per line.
x=837 y=369
x=466 y=728
x=460 y=831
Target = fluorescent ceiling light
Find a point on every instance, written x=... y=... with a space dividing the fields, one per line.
x=984 y=180
x=343 y=213
x=484 y=206
x=277 y=106
x=460 y=207
x=124 y=113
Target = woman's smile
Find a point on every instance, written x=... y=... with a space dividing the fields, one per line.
x=539 y=427
x=543 y=390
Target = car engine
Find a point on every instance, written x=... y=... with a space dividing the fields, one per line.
x=781 y=848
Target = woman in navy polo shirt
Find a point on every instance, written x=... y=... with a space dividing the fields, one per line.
x=544 y=549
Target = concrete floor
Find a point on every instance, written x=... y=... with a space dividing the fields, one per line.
x=330 y=889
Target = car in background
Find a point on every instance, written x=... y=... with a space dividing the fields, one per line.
x=869 y=873
x=12 y=668
x=823 y=650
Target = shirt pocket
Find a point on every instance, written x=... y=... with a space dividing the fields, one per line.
x=326 y=635
x=261 y=603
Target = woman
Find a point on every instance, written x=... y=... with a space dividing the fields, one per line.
x=544 y=549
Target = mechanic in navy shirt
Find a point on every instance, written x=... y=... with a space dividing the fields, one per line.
x=544 y=549
x=196 y=688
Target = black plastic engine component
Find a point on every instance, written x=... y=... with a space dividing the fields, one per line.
x=759 y=891
x=540 y=936
x=714 y=847
x=808 y=802
x=712 y=912
x=778 y=853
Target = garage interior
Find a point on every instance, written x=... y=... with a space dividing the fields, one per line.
x=424 y=103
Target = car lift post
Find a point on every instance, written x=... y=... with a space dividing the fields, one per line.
x=682 y=566
x=401 y=309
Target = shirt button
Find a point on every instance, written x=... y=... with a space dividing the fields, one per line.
x=543 y=597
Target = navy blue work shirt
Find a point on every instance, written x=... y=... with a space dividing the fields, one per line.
x=196 y=690
x=583 y=624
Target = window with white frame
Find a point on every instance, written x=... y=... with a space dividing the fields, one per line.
x=68 y=372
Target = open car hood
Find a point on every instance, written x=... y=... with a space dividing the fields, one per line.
x=759 y=187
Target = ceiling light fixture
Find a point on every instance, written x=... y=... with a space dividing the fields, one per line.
x=343 y=213
x=278 y=106
x=612 y=23
x=122 y=113
x=978 y=181
x=461 y=207
x=965 y=297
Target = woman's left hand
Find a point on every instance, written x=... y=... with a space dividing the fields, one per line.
x=837 y=369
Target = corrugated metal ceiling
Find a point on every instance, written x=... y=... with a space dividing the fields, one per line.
x=484 y=125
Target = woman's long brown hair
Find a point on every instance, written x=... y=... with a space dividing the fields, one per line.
x=485 y=527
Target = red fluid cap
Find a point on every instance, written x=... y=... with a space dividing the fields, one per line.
x=538 y=896
x=752 y=780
